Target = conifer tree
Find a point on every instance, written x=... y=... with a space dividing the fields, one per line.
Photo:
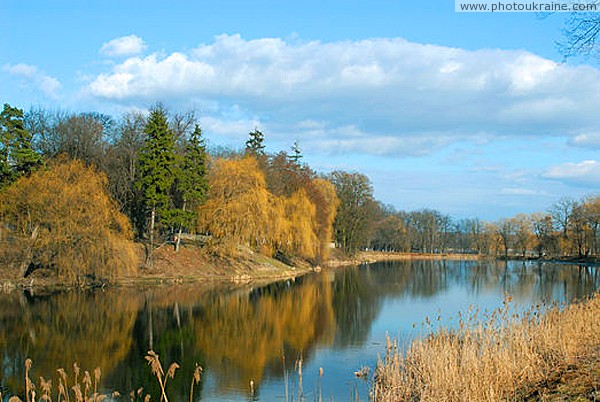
x=296 y=153
x=255 y=144
x=192 y=183
x=156 y=169
x=17 y=157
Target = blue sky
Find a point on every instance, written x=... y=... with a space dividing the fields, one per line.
x=470 y=114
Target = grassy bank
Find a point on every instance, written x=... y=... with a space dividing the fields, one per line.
x=190 y=265
x=551 y=355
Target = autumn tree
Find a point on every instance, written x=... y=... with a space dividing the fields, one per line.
x=323 y=195
x=63 y=219
x=237 y=209
x=156 y=167
x=300 y=237
x=17 y=157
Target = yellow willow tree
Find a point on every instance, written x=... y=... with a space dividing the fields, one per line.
x=63 y=219
x=238 y=208
x=299 y=237
x=323 y=195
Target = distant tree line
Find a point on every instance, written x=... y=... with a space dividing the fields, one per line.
x=568 y=228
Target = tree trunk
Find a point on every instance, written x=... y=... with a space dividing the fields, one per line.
x=178 y=239
x=149 y=253
x=28 y=253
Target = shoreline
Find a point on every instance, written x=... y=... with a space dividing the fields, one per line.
x=193 y=266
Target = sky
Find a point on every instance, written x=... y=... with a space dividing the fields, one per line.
x=472 y=114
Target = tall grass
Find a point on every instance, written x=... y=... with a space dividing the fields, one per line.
x=506 y=356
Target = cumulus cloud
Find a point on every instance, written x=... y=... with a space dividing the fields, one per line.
x=123 y=46
x=33 y=76
x=382 y=96
x=581 y=173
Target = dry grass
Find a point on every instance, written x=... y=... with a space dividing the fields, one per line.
x=84 y=388
x=540 y=354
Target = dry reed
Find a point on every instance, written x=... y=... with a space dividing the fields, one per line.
x=507 y=356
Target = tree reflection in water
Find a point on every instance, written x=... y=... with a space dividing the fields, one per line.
x=239 y=335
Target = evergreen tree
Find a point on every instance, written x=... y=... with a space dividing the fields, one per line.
x=156 y=166
x=192 y=183
x=17 y=157
x=255 y=144
x=296 y=153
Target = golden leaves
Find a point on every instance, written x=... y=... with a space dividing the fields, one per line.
x=80 y=229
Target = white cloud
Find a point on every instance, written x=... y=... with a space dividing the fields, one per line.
x=31 y=75
x=381 y=96
x=520 y=191
x=588 y=140
x=123 y=46
x=582 y=173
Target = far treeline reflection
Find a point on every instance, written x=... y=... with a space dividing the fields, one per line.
x=239 y=335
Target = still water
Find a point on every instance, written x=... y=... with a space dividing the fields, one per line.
x=335 y=321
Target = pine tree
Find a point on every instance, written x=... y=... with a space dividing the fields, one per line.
x=296 y=153
x=255 y=144
x=156 y=165
x=17 y=155
x=192 y=182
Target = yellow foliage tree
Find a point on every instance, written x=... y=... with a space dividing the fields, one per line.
x=63 y=219
x=241 y=210
x=326 y=201
x=238 y=207
x=299 y=236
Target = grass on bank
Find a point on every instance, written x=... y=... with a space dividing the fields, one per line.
x=540 y=354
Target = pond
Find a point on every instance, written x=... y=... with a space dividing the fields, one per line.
x=329 y=324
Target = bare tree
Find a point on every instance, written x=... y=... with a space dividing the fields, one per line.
x=581 y=33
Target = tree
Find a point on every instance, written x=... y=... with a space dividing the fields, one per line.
x=543 y=229
x=255 y=144
x=239 y=207
x=323 y=195
x=523 y=233
x=506 y=229
x=63 y=219
x=353 y=218
x=192 y=182
x=156 y=166
x=121 y=166
x=581 y=33
x=296 y=153
x=17 y=157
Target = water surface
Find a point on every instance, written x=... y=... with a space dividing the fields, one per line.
x=336 y=321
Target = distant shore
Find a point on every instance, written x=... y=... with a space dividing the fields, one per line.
x=368 y=257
